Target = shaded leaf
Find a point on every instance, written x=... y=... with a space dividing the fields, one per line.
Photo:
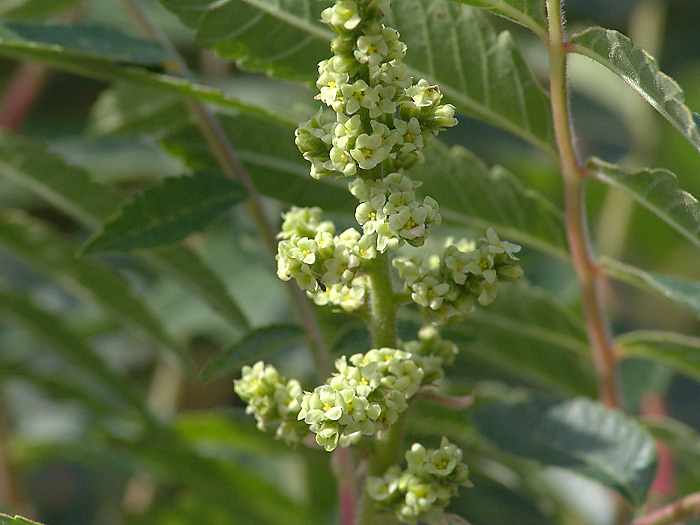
x=658 y=191
x=684 y=292
x=81 y=41
x=470 y=194
x=258 y=344
x=580 y=435
x=49 y=328
x=529 y=13
x=528 y=334
x=70 y=189
x=168 y=212
x=679 y=351
x=683 y=440
x=35 y=8
x=57 y=258
x=641 y=72
x=482 y=73
x=274 y=163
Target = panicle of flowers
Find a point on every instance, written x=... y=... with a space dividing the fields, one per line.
x=272 y=400
x=349 y=297
x=423 y=490
x=380 y=122
x=364 y=397
x=311 y=254
x=431 y=353
x=452 y=283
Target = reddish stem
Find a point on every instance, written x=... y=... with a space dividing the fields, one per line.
x=20 y=96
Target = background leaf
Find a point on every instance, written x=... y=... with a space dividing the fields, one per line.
x=168 y=212
x=579 y=435
x=71 y=190
x=640 y=70
x=529 y=13
x=679 y=351
x=258 y=344
x=470 y=194
x=528 y=334
x=684 y=292
x=482 y=73
x=657 y=190
x=17 y=520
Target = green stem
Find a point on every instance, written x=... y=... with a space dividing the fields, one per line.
x=584 y=264
x=233 y=168
x=383 y=307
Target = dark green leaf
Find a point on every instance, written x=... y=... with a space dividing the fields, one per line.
x=529 y=13
x=679 y=351
x=57 y=258
x=168 y=212
x=640 y=70
x=658 y=191
x=482 y=73
x=258 y=344
x=470 y=194
x=81 y=41
x=528 y=334
x=273 y=160
x=579 y=435
x=684 y=292
x=34 y=8
x=70 y=189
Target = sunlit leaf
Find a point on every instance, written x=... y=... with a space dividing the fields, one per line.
x=678 y=351
x=641 y=71
x=482 y=73
x=258 y=344
x=168 y=212
x=579 y=435
x=17 y=520
x=658 y=191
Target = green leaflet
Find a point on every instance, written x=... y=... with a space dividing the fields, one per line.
x=679 y=351
x=658 y=191
x=529 y=13
x=482 y=73
x=529 y=335
x=70 y=189
x=168 y=212
x=470 y=194
x=17 y=520
x=640 y=70
x=256 y=345
x=81 y=41
x=684 y=292
x=47 y=251
x=272 y=159
x=577 y=434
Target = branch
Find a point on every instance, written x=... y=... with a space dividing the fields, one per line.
x=587 y=273
x=688 y=507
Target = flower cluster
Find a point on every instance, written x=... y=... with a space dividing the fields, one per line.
x=389 y=208
x=316 y=258
x=431 y=353
x=381 y=120
x=272 y=400
x=464 y=274
x=364 y=397
x=423 y=490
